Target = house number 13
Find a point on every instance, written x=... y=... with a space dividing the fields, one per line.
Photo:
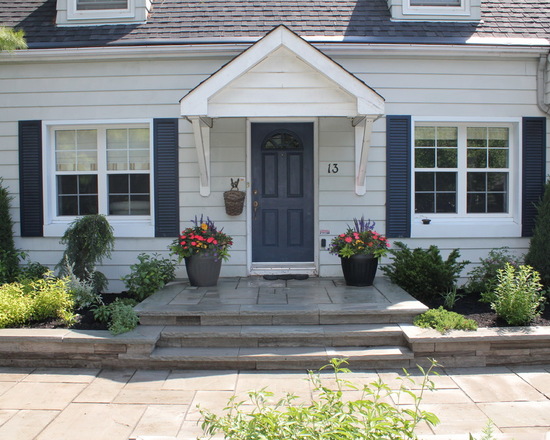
x=333 y=168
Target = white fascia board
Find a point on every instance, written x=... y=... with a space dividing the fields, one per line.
x=337 y=47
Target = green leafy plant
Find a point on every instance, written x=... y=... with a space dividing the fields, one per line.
x=518 y=297
x=538 y=255
x=32 y=271
x=83 y=292
x=9 y=257
x=483 y=278
x=362 y=239
x=88 y=240
x=36 y=300
x=443 y=320
x=123 y=318
x=119 y=315
x=202 y=238
x=451 y=297
x=331 y=415
x=422 y=272
x=149 y=275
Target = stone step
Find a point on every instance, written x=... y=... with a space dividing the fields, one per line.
x=344 y=335
x=286 y=358
x=319 y=314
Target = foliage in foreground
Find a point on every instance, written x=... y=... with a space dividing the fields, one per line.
x=483 y=278
x=518 y=298
x=149 y=275
x=119 y=316
x=22 y=303
x=88 y=240
x=538 y=255
x=331 y=415
x=444 y=320
x=11 y=39
x=422 y=272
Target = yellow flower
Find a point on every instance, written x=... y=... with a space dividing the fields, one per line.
x=204 y=226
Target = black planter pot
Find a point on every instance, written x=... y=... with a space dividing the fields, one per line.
x=359 y=270
x=203 y=270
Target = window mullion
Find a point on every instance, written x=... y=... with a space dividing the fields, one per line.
x=462 y=171
x=103 y=196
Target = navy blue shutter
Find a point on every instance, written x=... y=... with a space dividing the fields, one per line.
x=534 y=170
x=165 y=139
x=398 y=176
x=30 y=179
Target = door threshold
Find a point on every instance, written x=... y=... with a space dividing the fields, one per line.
x=283 y=269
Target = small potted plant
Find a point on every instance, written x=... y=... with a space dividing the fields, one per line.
x=359 y=249
x=203 y=247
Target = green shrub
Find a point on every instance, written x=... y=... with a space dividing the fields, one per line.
x=120 y=315
x=538 y=255
x=331 y=415
x=32 y=271
x=149 y=275
x=422 y=272
x=9 y=257
x=483 y=278
x=88 y=240
x=123 y=319
x=518 y=298
x=37 y=300
x=83 y=292
x=443 y=320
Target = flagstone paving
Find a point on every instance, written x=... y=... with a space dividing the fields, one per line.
x=59 y=404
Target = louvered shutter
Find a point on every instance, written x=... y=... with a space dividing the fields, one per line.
x=534 y=170
x=165 y=135
x=30 y=179
x=398 y=176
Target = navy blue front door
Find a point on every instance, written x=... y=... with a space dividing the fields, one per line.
x=282 y=192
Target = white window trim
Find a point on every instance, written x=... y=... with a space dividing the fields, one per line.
x=463 y=9
x=74 y=14
x=123 y=226
x=473 y=225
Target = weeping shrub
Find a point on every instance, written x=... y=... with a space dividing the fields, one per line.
x=88 y=240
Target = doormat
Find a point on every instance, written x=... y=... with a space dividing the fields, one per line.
x=298 y=276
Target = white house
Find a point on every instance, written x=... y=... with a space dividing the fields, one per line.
x=398 y=110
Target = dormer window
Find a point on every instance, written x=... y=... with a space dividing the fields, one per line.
x=435 y=2
x=435 y=10
x=99 y=5
x=93 y=12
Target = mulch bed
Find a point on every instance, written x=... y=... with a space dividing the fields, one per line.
x=481 y=312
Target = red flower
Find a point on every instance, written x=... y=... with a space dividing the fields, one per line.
x=348 y=239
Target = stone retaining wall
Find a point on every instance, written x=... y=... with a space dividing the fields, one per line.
x=484 y=347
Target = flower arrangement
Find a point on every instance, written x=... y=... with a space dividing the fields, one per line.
x=202 y=238
x=362 y=239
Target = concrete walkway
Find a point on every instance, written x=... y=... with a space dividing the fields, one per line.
x=86 y=404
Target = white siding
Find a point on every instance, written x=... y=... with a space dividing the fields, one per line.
x=115 y=89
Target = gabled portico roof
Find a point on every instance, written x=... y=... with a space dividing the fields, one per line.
x=282 y=75
x=278 y=64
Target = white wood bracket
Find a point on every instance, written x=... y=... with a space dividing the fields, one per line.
x=201 y=131
x=363 y=133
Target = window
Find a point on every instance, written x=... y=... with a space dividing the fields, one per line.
x=464 y=173
x=97 y=5
x=436 y=3
x=101 y=170
x=461 y=170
